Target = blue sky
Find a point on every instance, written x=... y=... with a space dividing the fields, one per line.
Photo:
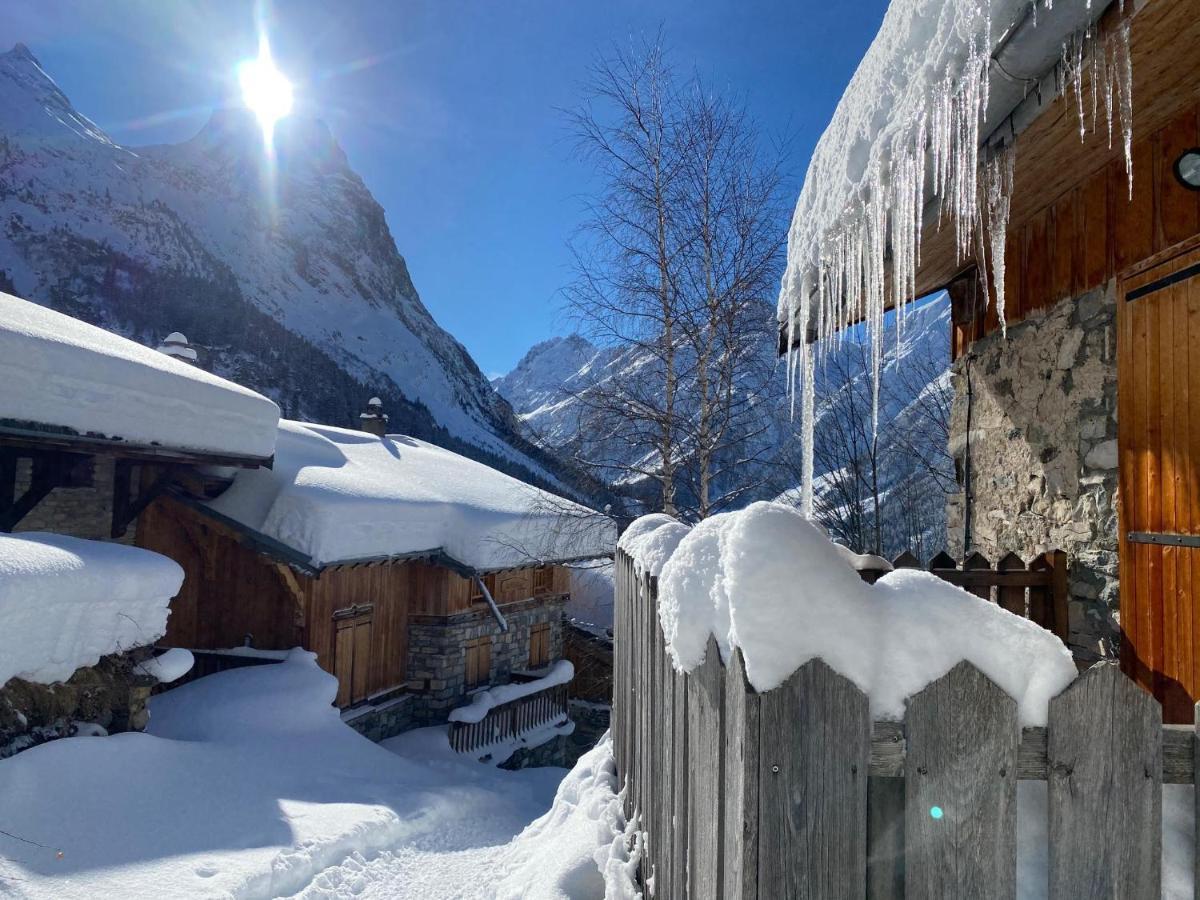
x=449 y=110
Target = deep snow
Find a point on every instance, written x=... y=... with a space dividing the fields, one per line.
x=56 y=370
x=767 y=580
x=65 y=602
x=337 y=495
x=249 y=785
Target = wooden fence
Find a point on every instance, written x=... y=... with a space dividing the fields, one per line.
x=796 y=793
x=510 y=720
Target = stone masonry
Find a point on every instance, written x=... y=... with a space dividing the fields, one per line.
x=83 y=511
x=1043 y=453
x=108 y=696
x=437 y=655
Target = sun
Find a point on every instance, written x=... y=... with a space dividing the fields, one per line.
x=265 y=90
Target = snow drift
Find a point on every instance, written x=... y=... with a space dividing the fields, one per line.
x=338 y=495
x=66 y=602
x=56 y=370
x=766 y=580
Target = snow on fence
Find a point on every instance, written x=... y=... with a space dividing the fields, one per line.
x=508 y=721
x=796 y=793
x=1037 y=591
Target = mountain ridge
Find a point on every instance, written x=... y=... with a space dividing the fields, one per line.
x=289 y=276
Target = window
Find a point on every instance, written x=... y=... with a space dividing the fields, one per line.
x=479 y=662
x=539 y=646
x=477 y=594
x=543 y=580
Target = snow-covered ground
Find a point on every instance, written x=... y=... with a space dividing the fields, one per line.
x=248 y=785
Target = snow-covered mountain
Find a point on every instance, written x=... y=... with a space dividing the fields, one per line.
x=288 y=279
x=546 y=385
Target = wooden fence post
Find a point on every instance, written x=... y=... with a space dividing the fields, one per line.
x=976 y=562
x=740 y=786
x=706 y=745
x=815 y=749
x=1011 y=598
x=1104 y=754
x=906 y=560
x=680 y=828
x=961 y=789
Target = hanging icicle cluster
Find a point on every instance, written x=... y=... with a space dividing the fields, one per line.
x=850 y=264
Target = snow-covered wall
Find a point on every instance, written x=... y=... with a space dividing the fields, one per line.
x=66 y=602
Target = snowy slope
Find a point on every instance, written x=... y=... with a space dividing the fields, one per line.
x=291 y=281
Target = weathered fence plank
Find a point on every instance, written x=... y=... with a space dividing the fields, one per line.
x=741 y=783
x=885 y=838
x=1011 y=598
x=660 y=784
x=1105 y=760
x=815 y=745
x=961 y=789
x=706 y=745
x=680 y=828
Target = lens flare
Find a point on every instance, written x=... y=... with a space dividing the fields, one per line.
x=265 y=90
x=935 y=812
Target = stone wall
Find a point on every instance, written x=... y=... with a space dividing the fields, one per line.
x=437 y=655
x=105 y=698
x=84 y=511
x=1043 y=453
x=380 y=721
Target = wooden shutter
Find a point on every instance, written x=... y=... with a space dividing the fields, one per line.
x=479 y=662
x=352 y=653
x=543 y=580
x=539 y=645
x=1158 y=390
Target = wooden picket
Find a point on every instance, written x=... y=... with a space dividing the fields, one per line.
x=796 y=793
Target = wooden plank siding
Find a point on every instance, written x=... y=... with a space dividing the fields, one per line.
x=1073 y=225
x=230 y=591
x=1158 y=364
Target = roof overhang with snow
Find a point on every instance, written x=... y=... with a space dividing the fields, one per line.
x=893 y=169
x=77 y=387
x=338 y=498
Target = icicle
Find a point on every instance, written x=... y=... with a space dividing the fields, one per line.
x=997 y=187
x=807 y=410
x=1123 y=65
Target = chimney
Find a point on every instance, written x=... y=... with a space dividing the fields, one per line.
x=373 y=419
x=176 y=345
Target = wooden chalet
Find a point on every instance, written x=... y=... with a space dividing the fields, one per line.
x=1080 y=428
x=408 y=634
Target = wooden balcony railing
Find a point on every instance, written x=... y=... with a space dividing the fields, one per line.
x=512 y=720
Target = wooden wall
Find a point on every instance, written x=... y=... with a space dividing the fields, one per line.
x=230 y=591
x=1081 y=239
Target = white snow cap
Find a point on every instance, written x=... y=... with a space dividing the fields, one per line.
x=651 y=540
x=374 y=401
x=56 y=370
x=767 y=580
x=65 y=602
x=336 y=495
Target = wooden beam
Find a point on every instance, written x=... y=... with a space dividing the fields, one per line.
x=38 y=439
x=125 y=508
x=45 y=478
x=889 y=749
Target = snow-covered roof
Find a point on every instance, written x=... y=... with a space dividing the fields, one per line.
x=336 y=496
x=65 y=602
x=58 y=371
x=940 y=79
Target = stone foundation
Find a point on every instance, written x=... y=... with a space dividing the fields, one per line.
x=1043 y=454
x=380 y=721
x=106 y=696
x=437 y=654
x=591 y=721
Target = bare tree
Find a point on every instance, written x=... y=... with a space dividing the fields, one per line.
x=730 y=216
x=626 y=289
x=676 y=268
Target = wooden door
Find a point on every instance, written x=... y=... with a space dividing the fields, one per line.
x=352 y=653
x=1158 y=372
